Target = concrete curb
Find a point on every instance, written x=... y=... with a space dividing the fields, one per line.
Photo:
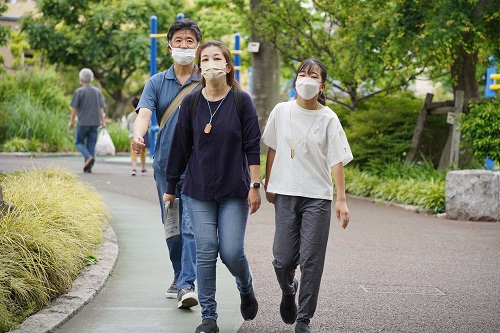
x=85 y=287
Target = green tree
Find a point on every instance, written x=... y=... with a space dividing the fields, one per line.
x=110 y=37
x=4 y=31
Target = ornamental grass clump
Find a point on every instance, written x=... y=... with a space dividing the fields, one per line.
x=57 y=223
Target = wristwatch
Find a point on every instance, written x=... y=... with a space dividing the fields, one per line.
x=255 y=185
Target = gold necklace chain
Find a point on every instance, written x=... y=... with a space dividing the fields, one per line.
x=292 y=147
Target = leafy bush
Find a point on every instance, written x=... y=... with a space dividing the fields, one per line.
x=35 y=101
x=35 y=268
x=119 y=137
x=381 y=129
x=21 y=145
x=481 y=129
x=416 y=184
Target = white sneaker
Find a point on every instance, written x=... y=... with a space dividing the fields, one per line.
x=186 y=298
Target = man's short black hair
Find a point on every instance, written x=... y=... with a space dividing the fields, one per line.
x=184 y=24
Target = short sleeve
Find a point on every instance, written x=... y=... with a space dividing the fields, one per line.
x=148 y=98
x=269 y=136
x=75 y=100
x=338 y=147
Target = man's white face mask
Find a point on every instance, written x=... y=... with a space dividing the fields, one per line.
x=307 y=88
x=183 y=56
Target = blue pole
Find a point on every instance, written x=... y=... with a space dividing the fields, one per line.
x=152 y=71
x=237 y=56
x=489 y=164
x=179 y=16
x=291 y=91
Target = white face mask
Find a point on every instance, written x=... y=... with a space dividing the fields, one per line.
x=213 y=70
x=183 y=56
x=307 y=88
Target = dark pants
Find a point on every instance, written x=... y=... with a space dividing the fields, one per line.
x=301 y=236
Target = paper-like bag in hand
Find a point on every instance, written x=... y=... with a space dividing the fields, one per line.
x=171 y=219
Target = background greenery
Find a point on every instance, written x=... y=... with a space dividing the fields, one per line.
x=35 y=268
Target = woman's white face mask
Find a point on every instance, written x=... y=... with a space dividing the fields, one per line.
x=183 y=56
x=213 y=70
x=307 y=88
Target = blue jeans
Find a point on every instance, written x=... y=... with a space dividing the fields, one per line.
x=219 y=228
x=181 y=248
x=85 y=140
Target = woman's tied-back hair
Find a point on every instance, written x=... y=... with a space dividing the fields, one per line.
x=86 y=75
x=184 y=24
x=230 y=79
x=307 y=67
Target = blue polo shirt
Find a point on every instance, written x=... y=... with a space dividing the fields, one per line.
x=159 y=92
x=219 y=160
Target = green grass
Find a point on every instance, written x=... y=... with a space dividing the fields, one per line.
x=119 y=137
x=46 y=241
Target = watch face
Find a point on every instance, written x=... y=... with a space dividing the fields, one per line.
x=256 y=185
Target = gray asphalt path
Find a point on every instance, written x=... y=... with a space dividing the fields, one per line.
x=391 y=270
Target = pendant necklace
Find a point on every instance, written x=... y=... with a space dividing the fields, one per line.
x=208 y=127
x=292 y=147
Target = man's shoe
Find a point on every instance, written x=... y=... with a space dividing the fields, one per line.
x=302 y=327
x=249 y=306
x=186 y=298
x=172 y=291
x=288 y=307
x=207 y=326
x=88 y=164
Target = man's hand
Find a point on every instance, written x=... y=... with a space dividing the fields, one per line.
x=138 y=144
x=169 y=198
x=70 y=124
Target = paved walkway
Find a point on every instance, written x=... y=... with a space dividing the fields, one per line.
x=391 y=270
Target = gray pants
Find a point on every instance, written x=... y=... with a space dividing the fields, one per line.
x=302 y=227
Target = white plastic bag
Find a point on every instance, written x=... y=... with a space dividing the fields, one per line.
x=104 y=145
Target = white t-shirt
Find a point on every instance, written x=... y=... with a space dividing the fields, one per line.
x=319 y=142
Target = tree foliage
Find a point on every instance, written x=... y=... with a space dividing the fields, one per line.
x=481 y=129
x=110 y=37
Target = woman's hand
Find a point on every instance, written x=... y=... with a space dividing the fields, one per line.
x=254 y=199
x=270 y=197
x=342 y=212
x=169 y=198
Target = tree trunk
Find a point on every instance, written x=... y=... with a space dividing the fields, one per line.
x=265 y=75
x=463 y=71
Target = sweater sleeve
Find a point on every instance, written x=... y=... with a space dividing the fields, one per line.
x=251 y=131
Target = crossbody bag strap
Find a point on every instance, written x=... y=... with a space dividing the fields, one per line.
x=176 y=102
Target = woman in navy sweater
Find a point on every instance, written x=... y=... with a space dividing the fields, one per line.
x=219 y=145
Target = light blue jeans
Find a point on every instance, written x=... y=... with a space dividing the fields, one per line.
x=219 y=228
x=85 y=140
x=181 y=248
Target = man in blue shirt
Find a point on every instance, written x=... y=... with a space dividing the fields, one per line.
x=184 y=36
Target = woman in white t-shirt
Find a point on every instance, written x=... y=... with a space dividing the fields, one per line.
x=306 y=146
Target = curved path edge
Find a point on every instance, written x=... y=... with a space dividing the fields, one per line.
x=84 y=289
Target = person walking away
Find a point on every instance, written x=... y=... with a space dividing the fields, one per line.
x=219 y=143
x=133 y=156
x=162 y=95
x=306 y=146
x=88 y=105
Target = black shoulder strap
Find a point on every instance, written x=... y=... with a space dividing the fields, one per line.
x=238 y=101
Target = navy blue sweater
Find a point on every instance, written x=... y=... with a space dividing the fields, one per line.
x=217 y=162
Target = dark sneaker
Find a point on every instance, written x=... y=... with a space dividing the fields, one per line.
x=88 y=164
x=207 y=326
x=302 y=327
x=249 y=306
x=172 y=291
x=288 y=307
x=186 y=298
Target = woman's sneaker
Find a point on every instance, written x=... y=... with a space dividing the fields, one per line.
x=249 y=306
x=207 y=326
x=134 y=172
